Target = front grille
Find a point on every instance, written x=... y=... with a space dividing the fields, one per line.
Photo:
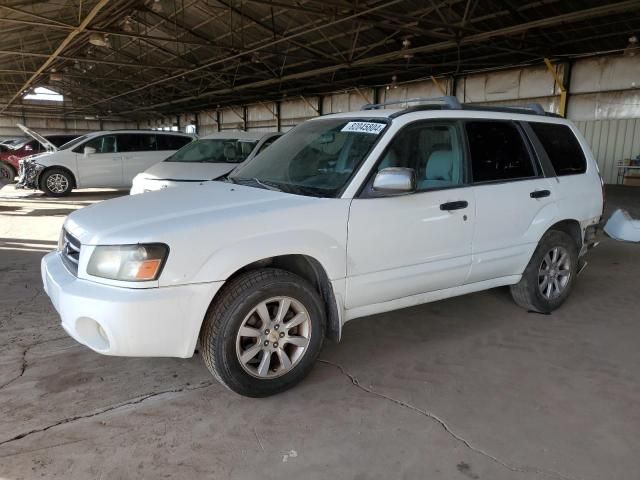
x=70 y=251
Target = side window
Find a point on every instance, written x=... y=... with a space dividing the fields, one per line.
x=104 y=144
x=172 y=142
x=267 y=142
x=434 y=151
x=497 y=151
x=562 y=147
x=136 y=142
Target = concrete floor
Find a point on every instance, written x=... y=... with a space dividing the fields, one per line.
x=471 y=387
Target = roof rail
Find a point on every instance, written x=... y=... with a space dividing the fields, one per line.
x=449 y=101
x=536 y=107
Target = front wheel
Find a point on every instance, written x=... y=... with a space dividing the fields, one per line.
x=263 y=332
x=550 y=274
x=7 y=173
x=56 y=183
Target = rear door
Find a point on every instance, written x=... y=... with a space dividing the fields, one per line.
x=513 y=198
x=139 y=152
x=102 y=168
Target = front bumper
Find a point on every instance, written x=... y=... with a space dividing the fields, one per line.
x=28 y=174
x=153 y=322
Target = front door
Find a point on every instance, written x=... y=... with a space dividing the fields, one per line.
x=406 y=245
x=102 y=168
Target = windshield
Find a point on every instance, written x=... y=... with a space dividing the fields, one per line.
x=316 y=158
x=218 y=150
x=73 y=142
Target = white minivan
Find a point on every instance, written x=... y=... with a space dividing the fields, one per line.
x=207 y=158
x=348 y=215
x=106 y=159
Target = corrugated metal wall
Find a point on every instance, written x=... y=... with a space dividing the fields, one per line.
x=611 y=142
x=604 y=102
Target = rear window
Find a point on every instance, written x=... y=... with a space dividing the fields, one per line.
x=562 y=148
x=172 y=142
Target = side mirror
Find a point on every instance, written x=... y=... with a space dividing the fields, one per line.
x=89 y=151
x=395 y=181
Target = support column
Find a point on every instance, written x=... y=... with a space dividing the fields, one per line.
x=562 y=110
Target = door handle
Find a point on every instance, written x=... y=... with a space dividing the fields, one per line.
x=540 y=193
x=460 y=204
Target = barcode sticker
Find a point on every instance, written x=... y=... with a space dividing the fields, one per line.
x=364 y=127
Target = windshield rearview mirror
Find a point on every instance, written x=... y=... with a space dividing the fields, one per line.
x=89 y=151
x=327 y=138
x=395 y=181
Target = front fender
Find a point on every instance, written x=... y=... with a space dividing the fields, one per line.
x=328 y=251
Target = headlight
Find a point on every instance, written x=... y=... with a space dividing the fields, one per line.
x=129 y=263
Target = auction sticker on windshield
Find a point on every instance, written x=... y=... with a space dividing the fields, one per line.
x=364 y=127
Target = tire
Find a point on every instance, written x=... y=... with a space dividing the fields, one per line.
x=229 y=354
x=7 y=173
x=532 y=292
x=56 y=182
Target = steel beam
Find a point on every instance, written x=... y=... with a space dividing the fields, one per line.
x=436 y=47
x=91 y=15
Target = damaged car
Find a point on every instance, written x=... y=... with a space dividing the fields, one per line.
x=11 y=155
x=105 y=159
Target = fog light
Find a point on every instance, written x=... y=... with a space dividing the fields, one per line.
x=92 y=334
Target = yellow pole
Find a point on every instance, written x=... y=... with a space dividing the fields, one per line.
x=438 y=85
x=563 y=91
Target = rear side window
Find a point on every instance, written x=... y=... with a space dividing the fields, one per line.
x=172 y=142
x=562 y=148
x=497 y=152
x=136 y=142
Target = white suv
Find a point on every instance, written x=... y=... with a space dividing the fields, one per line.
x=347 y=215
x=106 y=159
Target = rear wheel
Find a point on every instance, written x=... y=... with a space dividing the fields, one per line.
x=7 y=173
x=263 y=332
x=56 y=183
x=548 y=279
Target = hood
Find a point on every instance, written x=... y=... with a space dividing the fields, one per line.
x=161 y=215
x=36 y=136
x=188 y=171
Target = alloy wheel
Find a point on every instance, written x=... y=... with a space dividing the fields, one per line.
x=273 y=337
x=57 y=183
x=554 y=272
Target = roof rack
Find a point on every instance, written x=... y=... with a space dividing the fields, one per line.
x=448 y=101
x=452 y=103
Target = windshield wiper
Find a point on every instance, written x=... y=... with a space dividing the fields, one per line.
x=261 y=183
x=268 y=187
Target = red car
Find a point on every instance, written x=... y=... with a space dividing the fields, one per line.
x=10 y=157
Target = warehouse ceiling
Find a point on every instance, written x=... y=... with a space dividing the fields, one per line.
x=142 y=58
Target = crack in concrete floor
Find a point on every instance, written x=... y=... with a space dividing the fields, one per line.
x=445 y=426
x=25 y=364
x=111 y=408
